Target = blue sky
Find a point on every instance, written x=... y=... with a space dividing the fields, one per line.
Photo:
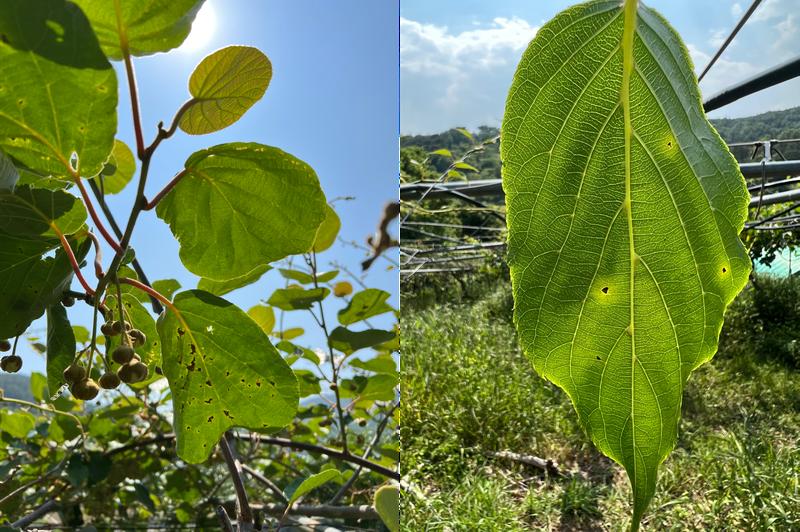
x=458 y=56
x=332 y=102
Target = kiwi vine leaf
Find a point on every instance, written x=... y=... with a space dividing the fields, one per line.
x=624 y=212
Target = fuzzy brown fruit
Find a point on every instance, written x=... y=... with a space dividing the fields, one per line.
x=85 y=389
x=133 y=373
x=108 y=329
x=74 y=373
x=109 y=381
x=122 y=354
x=5 y=345
x=11 y=363
x=117 y=327
x=138 y=338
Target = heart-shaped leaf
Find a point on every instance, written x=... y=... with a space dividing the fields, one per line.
x=223 y=87
x=624 y=209
x=222 y=371
x=58 y=92
x=258 y=205
x=146 y=26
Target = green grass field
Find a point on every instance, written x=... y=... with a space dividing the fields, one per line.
x=468 y=391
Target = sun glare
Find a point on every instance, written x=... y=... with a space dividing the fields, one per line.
x=203 y=27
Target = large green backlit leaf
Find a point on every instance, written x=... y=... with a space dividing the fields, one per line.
x=149 y=26
x=60 y=346
x=222 y=371
x=624 y=209
x=30 y=220
x=257 y=204
x=224 y=86
x=58 y=92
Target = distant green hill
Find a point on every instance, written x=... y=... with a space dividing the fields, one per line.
x=16 y=386
x=772 y=125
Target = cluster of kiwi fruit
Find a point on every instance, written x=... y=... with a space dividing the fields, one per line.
x=132 y=369
x=9 y=363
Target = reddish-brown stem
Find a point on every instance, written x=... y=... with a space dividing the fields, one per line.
x=98 y=257
x=72 y=260
x=158 y=197
x=90 y=207
x=148 y=290
x=126 y=57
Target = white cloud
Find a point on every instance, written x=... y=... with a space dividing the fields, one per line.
x=787 y=34
x=424 y=46
x=770 y=9
x=736 y=10
x=447 y=76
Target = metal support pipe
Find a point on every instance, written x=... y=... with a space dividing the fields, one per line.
x=494 y=187
x=763 y=80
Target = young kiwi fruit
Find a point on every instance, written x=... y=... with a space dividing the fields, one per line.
x=5 y=345
x=108 y=329
x=122 y=354
x=85 y=389
x=11 y=363
x=133 y=373
x=109 y=381
x=74 y=373
x=118 y=327
x=138 y=338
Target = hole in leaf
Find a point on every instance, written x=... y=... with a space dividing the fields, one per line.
x=604 y=289
x=724 y=270
x=597 y=357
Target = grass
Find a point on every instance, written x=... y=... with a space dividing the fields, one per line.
x=468 y=392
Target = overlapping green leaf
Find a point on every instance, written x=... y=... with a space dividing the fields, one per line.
x=264 y=316
x=297 y=298
x=222 y=371
x=328 y=230
x=257 y=204
x=147 y=26
x=58 y=92
x=624 y=208
x=387 y=504
x=223 y=87
x=220 y=288
x=293 y=493
x=348 y=342
x=364 y=305
x=30 y=220
x=60 y=346
x=118 y=170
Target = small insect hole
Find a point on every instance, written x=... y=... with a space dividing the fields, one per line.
x=598 y=358
x=724 y=270
x=604 y=289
